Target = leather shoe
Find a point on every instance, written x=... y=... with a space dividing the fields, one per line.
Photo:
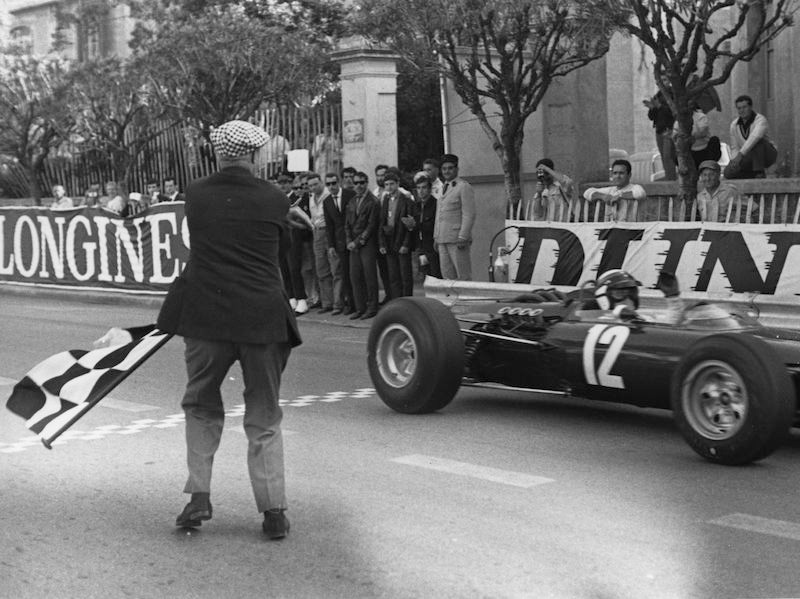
x=276 y=524
x=347 y=311
x=197 y=510
x=356 y=315
x=368 y=315
x=326 y=309
x=336 y=312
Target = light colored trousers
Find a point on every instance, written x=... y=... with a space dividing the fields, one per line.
x=207 y=364
x=455 y=263
x=329 y=271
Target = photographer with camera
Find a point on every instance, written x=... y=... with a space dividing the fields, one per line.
x=554 y=194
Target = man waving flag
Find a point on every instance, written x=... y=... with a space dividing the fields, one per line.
x=62 y=388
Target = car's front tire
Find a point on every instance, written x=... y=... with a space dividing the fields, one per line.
x=732 y=399
x=415 y=355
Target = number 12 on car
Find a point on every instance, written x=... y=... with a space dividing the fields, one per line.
x=613 y=337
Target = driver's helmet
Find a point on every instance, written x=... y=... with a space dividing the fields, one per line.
x=614 y=287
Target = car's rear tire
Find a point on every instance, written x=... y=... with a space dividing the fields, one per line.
x=732 y=399
x=415 y=355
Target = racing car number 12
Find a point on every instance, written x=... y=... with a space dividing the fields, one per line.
x=612 y=336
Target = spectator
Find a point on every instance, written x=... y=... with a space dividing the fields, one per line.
x=455 y=217
x=752 y=152
x=716 y=198
x=153 y=193
x=334 y=208
x=554 y=194
x=618 y=196
x=326 y=152
x=228 y=305
x=378 y=192
x=661 y=115
x=380 y=172
x=361 y=234
x=430 y=167
x=704 y=145
x=290 y=266
x=111 y=195
x=425 y=217
x=136 y=203
x=308 y=264
x=92 y=195
x=60 y=199
x=171 y=193
x=326 y=264
x=348 y=173
x=394 y=237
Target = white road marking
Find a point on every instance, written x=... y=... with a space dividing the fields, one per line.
x=125 y=406
x=169 y=421
x=505 y=477
x=767 y=526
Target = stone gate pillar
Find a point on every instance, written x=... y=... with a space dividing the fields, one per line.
x=369 y=112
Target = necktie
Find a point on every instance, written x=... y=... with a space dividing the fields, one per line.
x=444 y=189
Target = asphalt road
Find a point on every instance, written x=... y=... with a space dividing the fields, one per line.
x=499 y=495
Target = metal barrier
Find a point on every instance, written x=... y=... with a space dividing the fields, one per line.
x=760 y=201
x=770 y=310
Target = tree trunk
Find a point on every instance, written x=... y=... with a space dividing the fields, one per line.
x=34 y=189
x=687 y=173
x=512 y=167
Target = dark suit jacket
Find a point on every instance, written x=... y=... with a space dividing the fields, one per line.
x=361 y=222
x=393 y=237
x=231 y=288
x=425 y=215
x=335 y=219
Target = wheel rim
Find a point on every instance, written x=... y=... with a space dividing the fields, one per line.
x=396 y=353
x=715 y=400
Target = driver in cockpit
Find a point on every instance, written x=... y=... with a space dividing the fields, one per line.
x=618 y=291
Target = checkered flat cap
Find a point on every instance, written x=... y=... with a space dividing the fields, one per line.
x=237 y=138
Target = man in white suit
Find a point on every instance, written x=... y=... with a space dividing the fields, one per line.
x=455 y=217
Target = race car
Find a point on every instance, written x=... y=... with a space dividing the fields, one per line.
x=731 y=383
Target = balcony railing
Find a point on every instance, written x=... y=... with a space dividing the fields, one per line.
x=760 y=201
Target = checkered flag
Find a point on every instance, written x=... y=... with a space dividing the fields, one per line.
x=58 y=391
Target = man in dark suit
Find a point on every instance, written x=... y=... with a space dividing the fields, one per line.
x=361 y=233
x=425 y=217
x=394 y=237
x=229 y=305
x=334 y=208
x=171 y=193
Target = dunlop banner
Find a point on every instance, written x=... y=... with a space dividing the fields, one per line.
x=706 y=257
x=90 y=247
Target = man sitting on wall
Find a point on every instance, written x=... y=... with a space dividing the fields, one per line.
x=617 y=197
x=716 y=198
x=752 y=152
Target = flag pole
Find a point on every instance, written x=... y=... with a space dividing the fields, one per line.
x=100 y=394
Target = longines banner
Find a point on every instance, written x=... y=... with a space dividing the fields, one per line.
x=706 y=257
x=90 y=247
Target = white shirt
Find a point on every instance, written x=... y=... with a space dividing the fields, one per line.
x=618 y=211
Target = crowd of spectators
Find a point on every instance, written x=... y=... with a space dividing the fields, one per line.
x=366 y=238
x=113 y=198
x=390 y=232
